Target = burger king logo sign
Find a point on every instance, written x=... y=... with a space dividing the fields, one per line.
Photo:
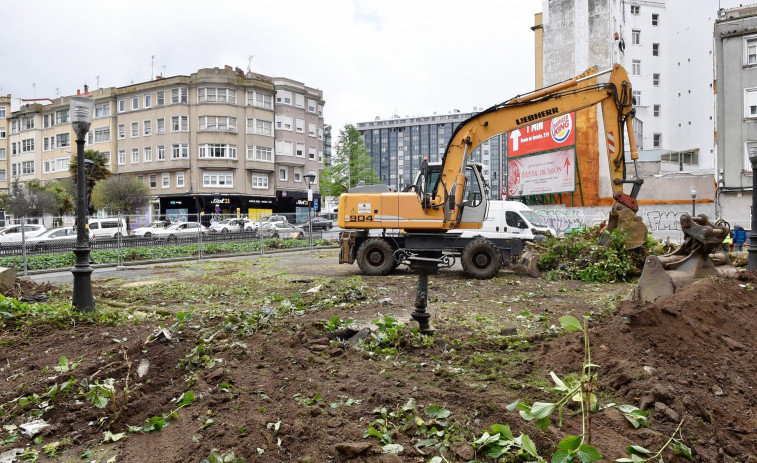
x=561 y=128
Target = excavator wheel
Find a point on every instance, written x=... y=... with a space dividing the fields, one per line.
x=376 y=257
x=481 y=259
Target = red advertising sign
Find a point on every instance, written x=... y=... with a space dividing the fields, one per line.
x=548 y=135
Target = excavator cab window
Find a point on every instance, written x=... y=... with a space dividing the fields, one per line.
x=472 y=196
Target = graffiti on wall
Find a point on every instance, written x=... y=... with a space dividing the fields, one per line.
x=562 y=219
x=663 y=221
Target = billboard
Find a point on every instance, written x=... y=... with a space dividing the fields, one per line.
x=539 y=174
x=553 y=134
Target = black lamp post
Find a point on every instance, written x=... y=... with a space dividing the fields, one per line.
x=693 y=202
x=310 y=178
x=81 y=119
x=751 y=264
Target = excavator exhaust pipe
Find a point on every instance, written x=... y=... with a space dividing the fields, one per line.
x=698 y=257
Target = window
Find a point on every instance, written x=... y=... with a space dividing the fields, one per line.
x=48 y=143
x=121 y=131
x=147 y=154
x=62 y=163
x=61 y=117
x=3 y=175
x=179 y=179
x=300 y=126
x=2 y=154
x=636 y=37
x=3 y=133
x=161 y=153
x=121 y=157
x=2 y=112
x=283 y=97
x=121 y=106
x=657 y=140
x=217 y=95
x=656 y=110
x=218 y=151
x=178 y=95
x=320 y=134
x=299 y=100
x=261 y=100
x=27 y=167
x=148 y=100
x=283 y=122
x=27 y=123
x=690 y=157
x=320 y=157
x=656 y=79
x=166 y=180
x=27 y=145
x=260 y=181
x=161 y=125
x=218 y=124
x=300 y=150
x=637 y=97
x=179 y=123
x=750 y=48
x=297 y=174
x=102 y=110
x=283 y=148
x=134 y=103
x=180 y=151
x=135 y=155
x=48 y=166
x=134 y=129
x=655 y=49
x=102 y=134
x=635 y=9
x=311 y=153
x=48 y=120
x=218 y=179
x=263 y=127
x=320 y=110
x=311 y=105
x=161 y=98
x=259 y=153
x=750 y=102
x=311 y=130
x=283 y=174
x=147 y=128
x=655 y=19
x=153 y=180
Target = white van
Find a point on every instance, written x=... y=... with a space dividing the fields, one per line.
x=107 y=228
x=512 y=219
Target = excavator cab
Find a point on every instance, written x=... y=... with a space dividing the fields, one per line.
x=475 y=197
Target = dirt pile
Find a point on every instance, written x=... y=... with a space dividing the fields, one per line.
x=687 y=356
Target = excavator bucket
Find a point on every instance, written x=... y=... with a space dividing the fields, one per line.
x=625 y=219
x=698 y=257
x=526 y=264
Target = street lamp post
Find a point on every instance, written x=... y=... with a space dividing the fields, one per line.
x=310 y=178
x=81 y=119
x=751 y=264
x=693 y=202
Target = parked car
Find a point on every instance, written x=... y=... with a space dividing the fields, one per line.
x=282 y=230
x=232 y=226
x=180 y=230
x=53 y=238
x=319 y=223
x=148 y=230
x=108 y=228
x=12 y=234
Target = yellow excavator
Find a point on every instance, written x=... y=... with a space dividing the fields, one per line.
x=426 y=218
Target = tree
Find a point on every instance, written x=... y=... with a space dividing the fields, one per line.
x=121 y=194
x=32 y=201
x=351 y=165
x=99 y=172
x=63 y=191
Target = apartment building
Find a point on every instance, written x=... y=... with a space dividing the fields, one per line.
x=218 y=141
x=397 y=146
x=666 y=47
x=5 y=112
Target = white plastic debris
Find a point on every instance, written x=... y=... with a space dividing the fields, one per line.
x=32 y=428
x=314 y=289
x=144 y=365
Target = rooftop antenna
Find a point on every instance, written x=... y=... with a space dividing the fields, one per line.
x=249 y=63
x=98 y=81
x=152 y=67
x=164 y=71
x=57 y=92
x=34 y=90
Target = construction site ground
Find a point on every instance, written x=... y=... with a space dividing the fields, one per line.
x=251 y=339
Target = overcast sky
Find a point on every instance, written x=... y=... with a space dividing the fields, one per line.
x=370 y=57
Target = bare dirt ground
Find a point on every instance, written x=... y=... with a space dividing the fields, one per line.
x=251 y=340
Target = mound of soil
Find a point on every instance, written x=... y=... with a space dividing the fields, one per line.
x=689 y=356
